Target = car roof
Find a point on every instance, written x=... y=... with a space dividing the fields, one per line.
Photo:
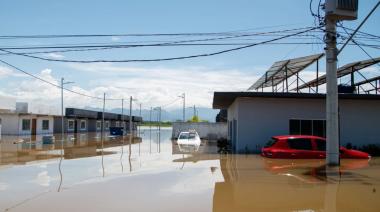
x=280 y=137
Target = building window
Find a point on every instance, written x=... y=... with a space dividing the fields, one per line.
x=70 y=125
x=107 y=124
x=45 y=124
x=26 y=124
x=83 y=124
x=117 y=124
x=307 y=127
x=98 y=125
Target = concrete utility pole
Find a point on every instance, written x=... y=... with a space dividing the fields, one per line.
x=130 y=116
x=62 y=113
x=104 y=108
x=150 y=130
x=159 y=129
x=195 y=113
x=122 y=117
x=183 y=96
x=332 y=124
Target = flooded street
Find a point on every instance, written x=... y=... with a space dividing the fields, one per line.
x=157 y=175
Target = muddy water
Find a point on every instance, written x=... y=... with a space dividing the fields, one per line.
x=156 y=175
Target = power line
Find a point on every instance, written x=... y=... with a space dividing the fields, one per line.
x=50 y=83
x=164 y=59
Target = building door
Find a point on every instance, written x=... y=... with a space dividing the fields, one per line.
x=34 y=127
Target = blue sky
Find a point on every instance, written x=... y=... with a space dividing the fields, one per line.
x=154 y=83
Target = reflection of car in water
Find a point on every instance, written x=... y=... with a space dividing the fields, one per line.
x=312 y=171
x=304 y=147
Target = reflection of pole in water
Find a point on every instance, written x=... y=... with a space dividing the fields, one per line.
x=332 y=186
x=130 y=153
x=59 y=168
x=104 y=104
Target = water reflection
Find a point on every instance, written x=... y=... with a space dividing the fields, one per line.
x=253 y=183
x=31 y=173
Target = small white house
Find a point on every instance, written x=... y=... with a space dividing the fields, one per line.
x=13 y=123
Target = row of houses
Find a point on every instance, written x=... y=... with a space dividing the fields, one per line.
x=75 y=121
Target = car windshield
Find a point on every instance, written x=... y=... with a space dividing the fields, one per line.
x=192 y=135
x=271 y=142
x=184 y=136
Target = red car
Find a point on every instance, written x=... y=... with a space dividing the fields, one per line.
x=304 y=147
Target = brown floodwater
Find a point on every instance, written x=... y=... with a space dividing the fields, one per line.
x=87 y=173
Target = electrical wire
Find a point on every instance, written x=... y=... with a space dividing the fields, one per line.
x=50 y=83
x=163 y=59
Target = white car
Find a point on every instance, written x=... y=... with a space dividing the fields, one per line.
x=189 y=138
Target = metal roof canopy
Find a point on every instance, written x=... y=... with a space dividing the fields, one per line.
x=342 y=71
x=284 y=69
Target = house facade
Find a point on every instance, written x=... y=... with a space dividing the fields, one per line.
x=13 y=123
x=82 y=121
x=253 y=118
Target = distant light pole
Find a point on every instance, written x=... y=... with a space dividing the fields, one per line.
x=183 y=96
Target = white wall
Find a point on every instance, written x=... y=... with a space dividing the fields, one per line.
x=261 y=118
x=204 y=129
x=9 y=124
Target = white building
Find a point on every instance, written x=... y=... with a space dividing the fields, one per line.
x=254 y=117
x=13 y=123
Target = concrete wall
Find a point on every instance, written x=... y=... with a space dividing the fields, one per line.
x=9 y=124
x=261 y=118
x=205 y=130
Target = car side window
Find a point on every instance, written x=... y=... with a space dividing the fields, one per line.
x=300 y=143
x=321 y=144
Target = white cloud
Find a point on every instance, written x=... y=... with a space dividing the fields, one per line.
x=158 y=86
x=114 y=38
x=151 y=86
x=54 y=56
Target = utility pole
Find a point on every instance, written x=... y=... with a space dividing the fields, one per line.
x=104 y=107
x=159 y=129
x=141 y=118
x=334 y=11
x=122 y=116
x=62 y=115
x=183 y=96
x=332 y=127
x=150 y=130
x=130 y=115
x=195 y=113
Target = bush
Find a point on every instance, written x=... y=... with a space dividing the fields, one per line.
x=372 y=149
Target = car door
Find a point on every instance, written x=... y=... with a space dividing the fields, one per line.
x=320 y=148
x=300 y=148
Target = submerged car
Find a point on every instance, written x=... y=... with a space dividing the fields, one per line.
x=189 y=138
x=304 y=147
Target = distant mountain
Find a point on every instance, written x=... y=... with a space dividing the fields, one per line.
x=207 y=114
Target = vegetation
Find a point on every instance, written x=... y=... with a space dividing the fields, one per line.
x=196 y=119
x=162 y=124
